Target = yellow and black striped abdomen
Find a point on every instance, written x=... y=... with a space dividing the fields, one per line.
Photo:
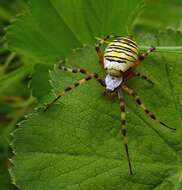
x=120 y=54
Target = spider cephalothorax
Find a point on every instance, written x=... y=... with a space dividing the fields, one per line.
x=120 y=59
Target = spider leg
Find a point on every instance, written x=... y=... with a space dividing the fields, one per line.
x=73 y=70
x=104 y=39
x=133 y=94
x=144 y=77
x=123 y=127
x=73 y=86
x=101 y=42
x=145 y=55
x=98 y=47
x=83 y=71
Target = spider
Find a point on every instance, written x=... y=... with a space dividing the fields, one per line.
x=119 y=60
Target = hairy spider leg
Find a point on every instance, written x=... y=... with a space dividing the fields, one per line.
x=73 y=86
x=131 y=72
x=123 y=127
x=137 y=99
x=83 y=71
x=73 y=70
x=143 y=56
x=142 y=76
x=103 y=40
x=98 y=47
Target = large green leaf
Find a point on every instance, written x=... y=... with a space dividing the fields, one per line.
x=52 y=27
x=159 y=15
x=4 y=175
x=77 y=145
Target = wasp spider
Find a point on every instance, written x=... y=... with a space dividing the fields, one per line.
x=119 y=60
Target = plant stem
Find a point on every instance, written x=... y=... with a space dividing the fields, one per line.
x=26 y=103
x=164 y=49
x=7 y=62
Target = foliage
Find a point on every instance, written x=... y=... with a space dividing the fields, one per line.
x=13 y=90
x=77 y=144
x=83 y=143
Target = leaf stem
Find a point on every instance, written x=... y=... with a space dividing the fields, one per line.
x=26 y=103
x=7 y=62
x=164 y=49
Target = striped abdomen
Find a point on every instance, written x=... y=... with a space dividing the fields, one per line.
x=120 y=54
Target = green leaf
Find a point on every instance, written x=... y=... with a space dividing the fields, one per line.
x=5 y=181
x=10 y=82
x=4 y=176
x=9 y=8
x=154 y=18
x=71 y=25
x=76 y=144
x=52 y=27
x=40 y=84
